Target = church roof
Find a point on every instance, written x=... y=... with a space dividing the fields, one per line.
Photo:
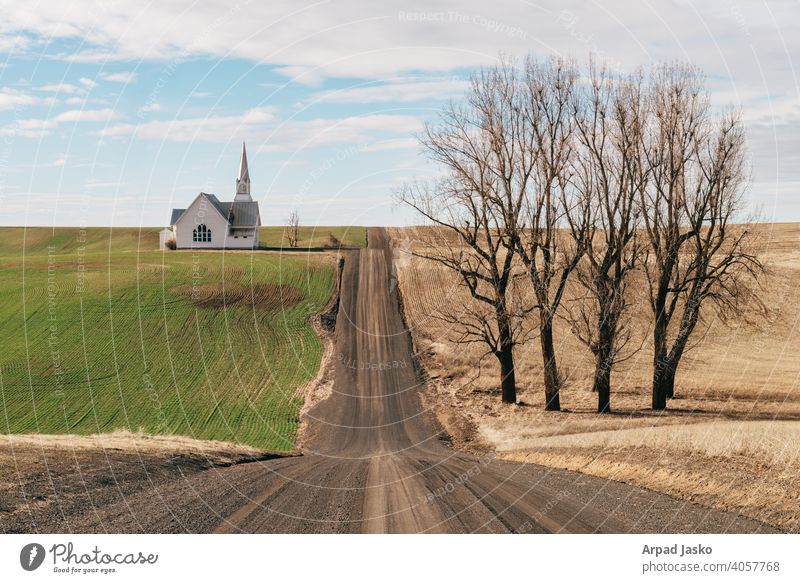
x=243 y=214
x=176 y=214
x=217 y=203
x=238 y=214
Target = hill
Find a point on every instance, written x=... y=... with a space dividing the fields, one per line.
x=101 y=332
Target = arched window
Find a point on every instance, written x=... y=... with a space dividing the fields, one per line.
x=201 y=234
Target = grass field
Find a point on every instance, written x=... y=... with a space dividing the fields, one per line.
x=101 y=332
x=315 y=237
x=728 y=440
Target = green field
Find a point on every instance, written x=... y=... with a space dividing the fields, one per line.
x=101 y=332
x=315 y=237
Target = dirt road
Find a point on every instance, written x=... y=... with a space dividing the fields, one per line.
x=374 y=461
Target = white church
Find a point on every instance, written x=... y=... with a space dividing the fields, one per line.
x=209 y=223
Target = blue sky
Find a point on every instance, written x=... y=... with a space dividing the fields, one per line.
x=113 y=113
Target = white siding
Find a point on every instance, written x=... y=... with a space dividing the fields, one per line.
x=201 y=212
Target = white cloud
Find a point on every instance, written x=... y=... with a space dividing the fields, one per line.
x=397 y=144
x=121 y=77
x=743 y=44
x=396 y=90
x=36 y=124
x=351 y=38
x=37 y=128
x=87 y=115
x=11 y=98
x=211 y=128
x=61 y=88
x=19 y=132
x=353 y=132
x=86 y=82
x=13 y=43
x=148 y=107
x=259 y=125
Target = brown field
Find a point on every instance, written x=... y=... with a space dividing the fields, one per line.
x=47 y=479
x=729 y=439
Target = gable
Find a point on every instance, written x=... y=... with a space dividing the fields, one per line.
x=203 y=208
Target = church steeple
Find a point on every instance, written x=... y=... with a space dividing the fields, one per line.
x=243 y=179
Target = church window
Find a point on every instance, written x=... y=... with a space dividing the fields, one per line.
x=201 y=234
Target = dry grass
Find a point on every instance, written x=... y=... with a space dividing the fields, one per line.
x=729 y=439
x=220 y=451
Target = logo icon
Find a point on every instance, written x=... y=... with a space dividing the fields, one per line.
x=31 y=556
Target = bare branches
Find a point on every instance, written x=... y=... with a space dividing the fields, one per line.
x=552 y=179
x=484 y=149
x=293 y=228
x=554 y=223
x=608 y=178
x=695 y=256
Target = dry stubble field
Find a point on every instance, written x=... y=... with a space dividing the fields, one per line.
x=730 y=440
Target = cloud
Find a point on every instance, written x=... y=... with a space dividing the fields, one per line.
x=121 y=77
x=13 y=43
x=61 y=88
x=87 y=115
x=259 y=125
x=309 y=40
x=148 y=107
x=353 y=132
x=38 y=128
x=11 y=98
x=351 y=38
x=396 y=144
x=741 y=44
x=19 y=132
x=208 y=129
x=397 y=90
x=86 y=82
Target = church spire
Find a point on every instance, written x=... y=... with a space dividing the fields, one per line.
x=243 y=179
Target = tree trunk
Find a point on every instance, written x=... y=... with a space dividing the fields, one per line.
x=602 y=378
x=669 y=382
x=508 y=381
x=551 y=380
x=659 y=392
x=505 y=354
x=660 y=365
x=673 y=358
x=602 y=386
x=659 y=370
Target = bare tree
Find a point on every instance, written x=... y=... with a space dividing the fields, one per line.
x=482 y=146
x=694 y=254
x=293 y=228
x=554 y=223
x=608 y=123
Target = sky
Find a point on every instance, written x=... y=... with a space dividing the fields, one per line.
x=113 y=112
